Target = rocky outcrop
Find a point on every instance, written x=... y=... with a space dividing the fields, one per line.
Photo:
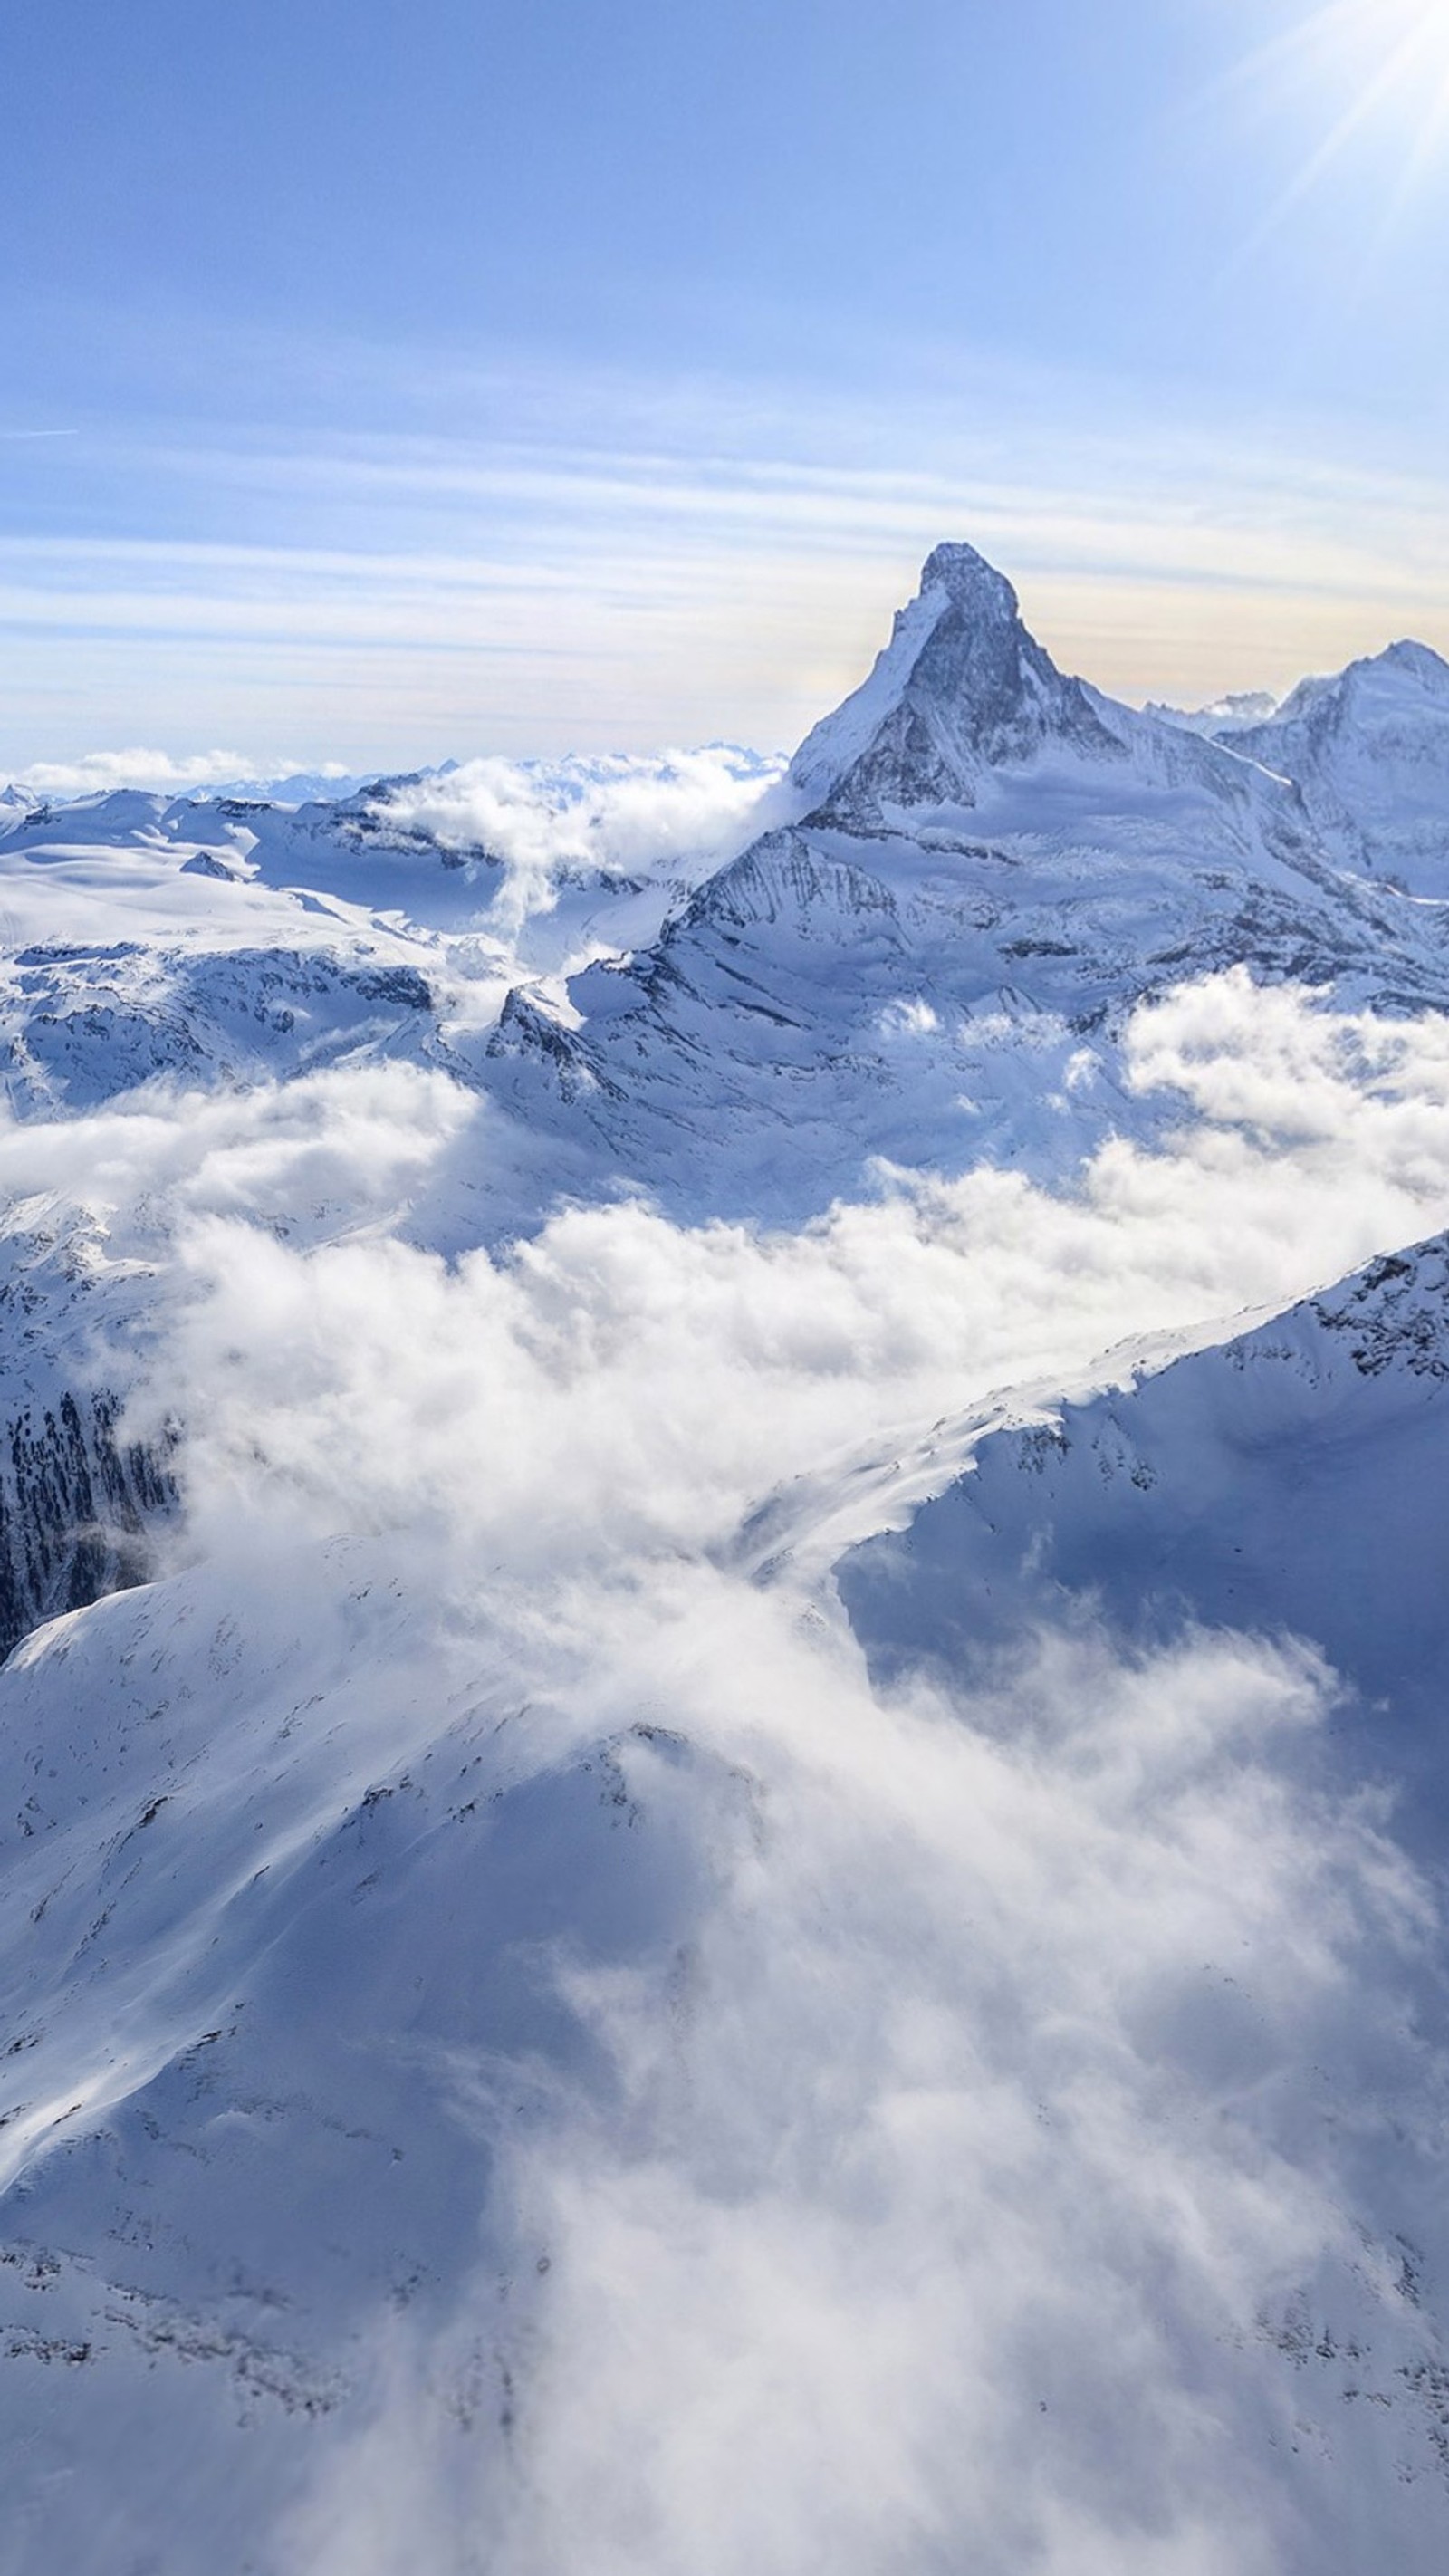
x=961 y=688
x=76 y=1502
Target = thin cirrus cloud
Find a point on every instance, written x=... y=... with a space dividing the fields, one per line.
x=697 y=569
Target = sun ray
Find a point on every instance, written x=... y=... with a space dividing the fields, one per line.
x=1392 y=56
x=1394 y=52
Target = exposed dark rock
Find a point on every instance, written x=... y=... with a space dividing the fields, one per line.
x=76 y=1502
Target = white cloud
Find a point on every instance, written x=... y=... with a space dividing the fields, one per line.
x=941 y=2177
x=636 y=1385
x=977 y=2092
x=311 y=1158
x=96 y=771
x=682 y=811
x=908 y=1018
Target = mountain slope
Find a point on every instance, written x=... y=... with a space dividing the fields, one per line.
x=1369 y=752
x=1295 y=1478
x=384 y=2017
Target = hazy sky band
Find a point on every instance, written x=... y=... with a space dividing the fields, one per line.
x=560 y=380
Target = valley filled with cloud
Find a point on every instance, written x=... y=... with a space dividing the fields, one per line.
x=658 y=1911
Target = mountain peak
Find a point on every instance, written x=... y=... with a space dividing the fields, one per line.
x=969 y=581
x=961 y=689
x=1368 y=750
x=1404 y=671
x=1419 y=662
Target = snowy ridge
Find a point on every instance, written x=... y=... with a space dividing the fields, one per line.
x=1223 y=718
x=1221 y=1490
x=1369 y=749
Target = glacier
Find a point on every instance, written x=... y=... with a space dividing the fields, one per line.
x=720 y=1514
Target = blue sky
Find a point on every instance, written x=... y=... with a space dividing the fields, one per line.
x=392 y=382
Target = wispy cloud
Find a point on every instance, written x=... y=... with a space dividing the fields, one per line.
x=699 y=566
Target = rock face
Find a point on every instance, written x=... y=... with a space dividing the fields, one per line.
x=960 y=689
x=76 y=1506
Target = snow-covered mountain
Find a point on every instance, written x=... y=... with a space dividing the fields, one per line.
x=1293 y=1478
x=724 y=1832
x=1369 y=750
x=995 y=864
x=1222 y=717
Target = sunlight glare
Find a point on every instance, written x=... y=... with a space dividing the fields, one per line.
x=1395 y=53
x=1381 y=69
